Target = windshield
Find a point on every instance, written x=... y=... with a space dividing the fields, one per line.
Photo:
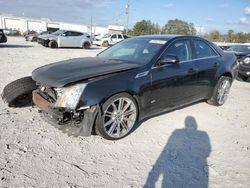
x=58 y=32
x=240 y=48
x=107 y=35
x=137 y=50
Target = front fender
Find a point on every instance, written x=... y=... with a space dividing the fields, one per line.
x=100 y=89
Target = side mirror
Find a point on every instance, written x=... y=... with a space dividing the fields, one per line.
x=169 y=59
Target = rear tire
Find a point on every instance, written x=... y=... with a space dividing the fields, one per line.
x=86 y=45
x=221 y=91
x=119 y=117
x=19 y=92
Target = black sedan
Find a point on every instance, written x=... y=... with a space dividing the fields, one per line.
x=134 y=79
x=3 y=37
x=242 y=53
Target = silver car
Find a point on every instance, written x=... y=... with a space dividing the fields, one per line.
x=66 y=38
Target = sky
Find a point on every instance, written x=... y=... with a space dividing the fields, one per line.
x=206 y=15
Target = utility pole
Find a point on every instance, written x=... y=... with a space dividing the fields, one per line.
x=91 y=25
x=200 y=30
x=127 y=14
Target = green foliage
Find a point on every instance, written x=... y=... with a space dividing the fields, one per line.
x=215 y=36
x=179 y=27
x=145 y=27
x=231 y=36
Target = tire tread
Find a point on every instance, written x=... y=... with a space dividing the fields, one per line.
x=17 y=88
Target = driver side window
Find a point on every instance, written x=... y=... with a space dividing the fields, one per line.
x=181 y=49
x=113 y=36
x=68 y=33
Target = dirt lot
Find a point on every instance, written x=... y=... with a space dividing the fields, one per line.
x=197 y=146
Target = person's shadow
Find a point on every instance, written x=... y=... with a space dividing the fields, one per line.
x=183 y=162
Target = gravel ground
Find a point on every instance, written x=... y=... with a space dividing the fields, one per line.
x=196 y=146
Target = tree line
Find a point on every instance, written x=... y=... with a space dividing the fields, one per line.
x=180 y=27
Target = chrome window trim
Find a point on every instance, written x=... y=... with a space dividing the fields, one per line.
x=190 y=40
x=214 y=50
x=210 y=57
x=166 y=49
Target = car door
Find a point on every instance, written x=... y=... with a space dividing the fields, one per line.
x=206 y=61
x=119 y=38
x=67 y=39
x=78 y=39
x=113 y=39
x=172 y=84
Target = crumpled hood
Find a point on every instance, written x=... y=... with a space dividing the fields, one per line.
x=46 y=36
x=240 y=54
x=65 y=72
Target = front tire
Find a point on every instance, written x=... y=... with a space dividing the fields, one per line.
x=19 y=92
x=34 y=39
x=119 y=116
x=86 y=45
x=221 y=91
x=105 y=44
x=53 y=44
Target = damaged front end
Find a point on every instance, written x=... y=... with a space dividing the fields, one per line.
x=60 y=107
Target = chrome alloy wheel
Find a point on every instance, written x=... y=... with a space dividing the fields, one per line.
x=119 y=117
x=223 y=91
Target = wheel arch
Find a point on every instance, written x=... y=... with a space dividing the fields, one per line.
x=227 y=74
x=130 y=93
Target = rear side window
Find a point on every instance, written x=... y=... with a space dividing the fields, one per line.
x=119 y=37
x=203 y=50
x=181 y=49
x=77 y=34
x=72 y=33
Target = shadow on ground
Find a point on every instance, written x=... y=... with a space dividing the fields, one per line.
x=183 y=161
x=14 y=46
x=91 y=48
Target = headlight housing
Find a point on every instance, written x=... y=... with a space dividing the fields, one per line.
x=247 y=60
x=70 y=96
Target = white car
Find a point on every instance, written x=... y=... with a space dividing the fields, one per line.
x=109 y=39
x=66 y=38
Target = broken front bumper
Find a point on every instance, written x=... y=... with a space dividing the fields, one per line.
x=81 y=121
